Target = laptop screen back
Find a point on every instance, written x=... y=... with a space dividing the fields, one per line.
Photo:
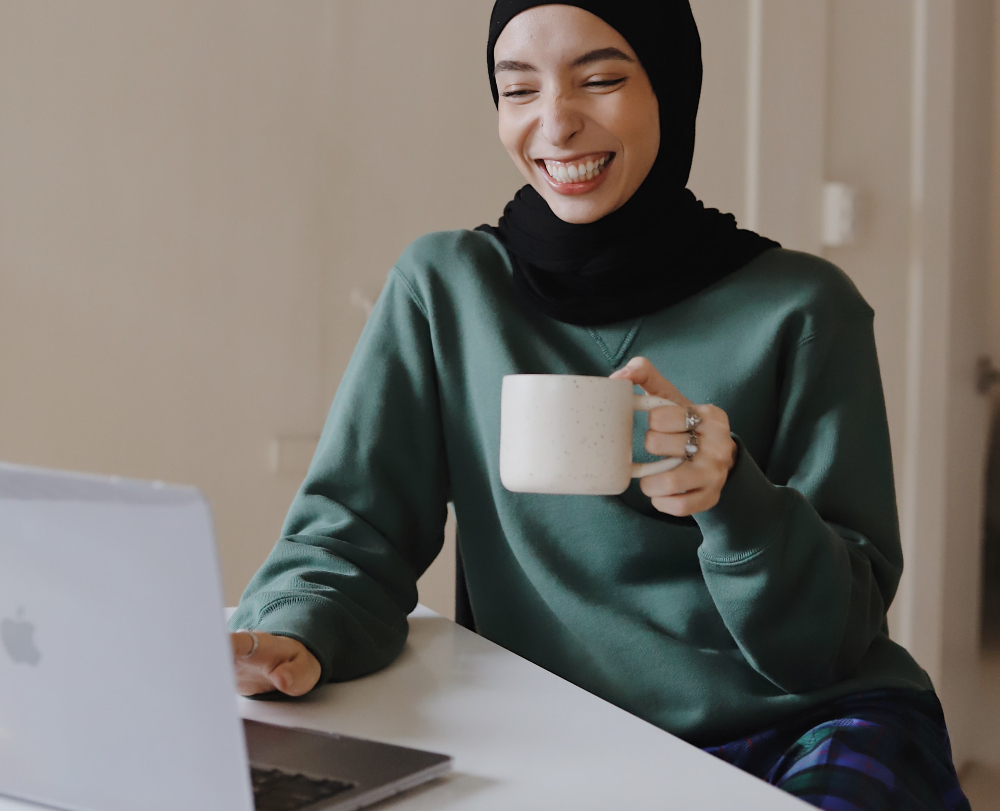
x=116 y=690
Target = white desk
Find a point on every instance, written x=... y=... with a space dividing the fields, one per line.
x=521 y=737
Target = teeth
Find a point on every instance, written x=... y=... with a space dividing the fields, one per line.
x=568 y=173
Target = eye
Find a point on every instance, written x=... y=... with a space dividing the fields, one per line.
x=519 y=94
x=605 y=83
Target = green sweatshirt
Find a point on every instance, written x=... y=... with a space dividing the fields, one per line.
x=713 y=627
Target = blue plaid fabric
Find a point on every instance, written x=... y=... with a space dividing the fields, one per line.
x=886 y=750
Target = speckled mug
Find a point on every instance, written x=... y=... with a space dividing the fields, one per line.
x=571 y=435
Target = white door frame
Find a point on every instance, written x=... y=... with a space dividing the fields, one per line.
x=941 y=474
x=944 y=426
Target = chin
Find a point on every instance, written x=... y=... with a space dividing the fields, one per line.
x=578 y=211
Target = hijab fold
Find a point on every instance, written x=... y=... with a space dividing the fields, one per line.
x=663 y=245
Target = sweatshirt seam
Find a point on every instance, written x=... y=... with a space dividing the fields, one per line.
x=866 y=316
x=274 y=605
x=411 y=292
x=739 y=559
x=614 y=358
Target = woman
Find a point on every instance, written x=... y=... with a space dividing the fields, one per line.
x=741 y=597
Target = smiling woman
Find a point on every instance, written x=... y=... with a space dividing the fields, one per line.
x=581 y=121
x=603 y=128
x=737 y=600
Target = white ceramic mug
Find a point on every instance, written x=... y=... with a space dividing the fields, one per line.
x=571 y=434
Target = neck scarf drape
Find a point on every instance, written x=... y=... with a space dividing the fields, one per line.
x=662 y=245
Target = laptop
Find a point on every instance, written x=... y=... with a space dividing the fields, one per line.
x=117 y=690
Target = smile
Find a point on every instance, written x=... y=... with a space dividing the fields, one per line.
x=576 y=172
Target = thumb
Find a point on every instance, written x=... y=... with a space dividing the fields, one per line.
x=296 y=676
x=642 y=373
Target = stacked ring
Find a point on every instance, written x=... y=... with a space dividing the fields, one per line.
x=691 y=448
x=692 y=421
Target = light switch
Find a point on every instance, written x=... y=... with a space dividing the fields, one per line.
x=841 y=214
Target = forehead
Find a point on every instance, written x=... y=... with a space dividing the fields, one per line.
x=555 y=35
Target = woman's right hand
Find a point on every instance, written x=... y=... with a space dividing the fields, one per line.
x=279 y=663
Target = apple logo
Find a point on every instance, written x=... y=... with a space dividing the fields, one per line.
x=17 y=636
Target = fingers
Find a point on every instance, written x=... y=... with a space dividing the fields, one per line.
x=278 y=663
x=697 y=484
x=673 y=419
x=642 y=373
x=297 y=677
x=681 y=492
x=242 y=642
x=686 y=505
x=668 y=431
x=666 y=444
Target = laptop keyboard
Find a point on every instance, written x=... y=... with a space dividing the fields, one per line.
x=275 y=790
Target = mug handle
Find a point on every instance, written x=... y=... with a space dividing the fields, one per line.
x=647 y=402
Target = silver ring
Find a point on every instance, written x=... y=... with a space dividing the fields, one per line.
x=692 y=420
x=691 y=448
x=256 y=644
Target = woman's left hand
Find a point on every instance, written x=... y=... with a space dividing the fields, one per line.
x=696 y=485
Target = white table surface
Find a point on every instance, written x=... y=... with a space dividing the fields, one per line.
x=521 y=737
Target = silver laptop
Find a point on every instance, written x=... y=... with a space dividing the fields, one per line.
x=116 y=683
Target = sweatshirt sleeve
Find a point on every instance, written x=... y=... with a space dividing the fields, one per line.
x=803 y=558
x=369 y=518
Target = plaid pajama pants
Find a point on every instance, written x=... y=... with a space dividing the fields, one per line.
x=886 y=750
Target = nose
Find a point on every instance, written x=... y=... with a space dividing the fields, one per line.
x=560 y=122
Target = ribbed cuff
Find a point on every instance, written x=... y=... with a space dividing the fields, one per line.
x=313 y=622
x=747 y=518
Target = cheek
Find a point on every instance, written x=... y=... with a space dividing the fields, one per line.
x=645 y=135
x=639 y=125
x=512 y=135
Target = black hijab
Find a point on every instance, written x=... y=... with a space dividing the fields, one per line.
x=662 y=245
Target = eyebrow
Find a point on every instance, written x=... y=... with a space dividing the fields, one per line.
x=600 y=55
x=509 y=64
x=588 y=58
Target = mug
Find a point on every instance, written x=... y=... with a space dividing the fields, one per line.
x=571 y=435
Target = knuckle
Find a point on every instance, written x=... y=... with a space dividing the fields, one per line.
x=663 y=505
x=682 y=506
x=719 y=416
x=656 y=486
x=652 y=486
x=659 y=418
x=652 y=439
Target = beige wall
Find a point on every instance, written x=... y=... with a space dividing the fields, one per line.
x=189 y=194
x=165 y=175
x=868 y=146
